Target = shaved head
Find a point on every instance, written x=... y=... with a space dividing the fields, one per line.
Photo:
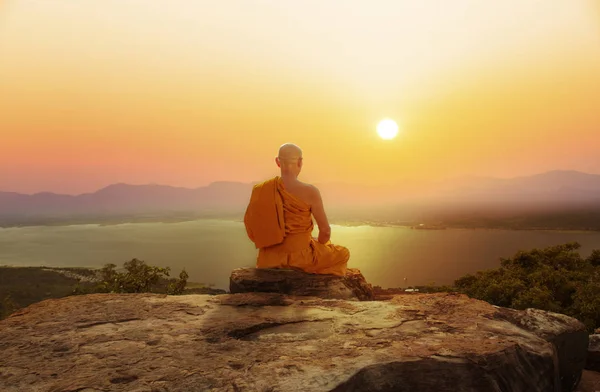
x=289 y=152
x=289 y=159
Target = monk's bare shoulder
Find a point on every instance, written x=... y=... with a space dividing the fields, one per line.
x=313 y=193
x=307 y=192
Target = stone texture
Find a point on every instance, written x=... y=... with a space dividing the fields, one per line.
x=272 y=342
x=204 y=290
x=593 y=355
x=590 y=382
x=565 y=333
x=353 y=286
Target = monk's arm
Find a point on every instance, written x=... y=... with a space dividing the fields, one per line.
x=247 y=215
x=318 y=212
x=246 y=223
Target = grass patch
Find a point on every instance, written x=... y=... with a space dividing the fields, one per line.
x=23 y=286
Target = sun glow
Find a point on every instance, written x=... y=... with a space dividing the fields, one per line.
x=387 y=129
x=201 y=84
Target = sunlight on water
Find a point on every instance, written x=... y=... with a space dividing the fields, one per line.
x=210 y=249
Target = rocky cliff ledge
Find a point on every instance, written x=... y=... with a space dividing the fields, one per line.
x=593 y=356
x=272 y=342
x=353 y=286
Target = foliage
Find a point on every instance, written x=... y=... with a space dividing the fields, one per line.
x=556 y=279
x=23 y=286
x=594 y=258
x=177 y=286
x=138 y=277
x=7 y=306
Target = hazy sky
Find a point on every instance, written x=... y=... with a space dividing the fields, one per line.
x=177 y=92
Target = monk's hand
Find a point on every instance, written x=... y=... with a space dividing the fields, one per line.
x=320 y=242
x=324 y=237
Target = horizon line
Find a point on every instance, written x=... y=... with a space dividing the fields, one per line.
x=257 y=181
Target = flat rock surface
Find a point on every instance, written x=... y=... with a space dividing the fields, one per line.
x=590 y=382
x=272 y=342
x=353 y=286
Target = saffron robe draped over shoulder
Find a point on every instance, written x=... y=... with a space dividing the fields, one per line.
x=281 y=225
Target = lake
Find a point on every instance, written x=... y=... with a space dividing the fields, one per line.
x=210 y=249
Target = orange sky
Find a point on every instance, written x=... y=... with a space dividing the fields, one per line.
x=188 y=92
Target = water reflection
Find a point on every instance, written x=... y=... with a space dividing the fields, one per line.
x=210 y=249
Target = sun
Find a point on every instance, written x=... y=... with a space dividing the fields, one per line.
x=387 y=129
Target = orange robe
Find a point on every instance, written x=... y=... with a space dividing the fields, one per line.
x=281 y=225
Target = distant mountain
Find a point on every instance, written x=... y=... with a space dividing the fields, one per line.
x=570 y=187
x=561 y=188
x=129 y=199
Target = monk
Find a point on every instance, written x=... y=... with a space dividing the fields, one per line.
x=279 y=220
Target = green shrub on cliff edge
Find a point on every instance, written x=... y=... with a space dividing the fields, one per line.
x=137 y=277
x=556 y=278
x=7 y=306
x=23 y=286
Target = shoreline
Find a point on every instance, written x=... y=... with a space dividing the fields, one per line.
x=347 y=224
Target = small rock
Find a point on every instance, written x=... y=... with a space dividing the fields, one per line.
x=593 y=355
x=353 y=286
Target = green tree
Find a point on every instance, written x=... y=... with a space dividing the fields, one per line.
x=177 y=286
x=139 y=277
x=594 y=258
x=556 y=279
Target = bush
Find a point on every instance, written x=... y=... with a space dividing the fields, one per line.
x=594 y=258
x=138 y=277
x=556 y=279
x=7 y=306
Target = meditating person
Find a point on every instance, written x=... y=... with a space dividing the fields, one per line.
x=279 y=220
